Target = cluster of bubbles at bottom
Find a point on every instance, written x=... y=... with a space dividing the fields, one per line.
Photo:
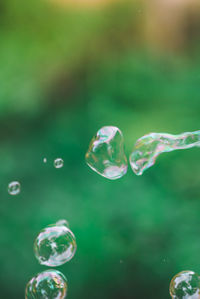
x=54 y=246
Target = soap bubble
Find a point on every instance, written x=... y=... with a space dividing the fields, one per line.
x=49 y=284
x=55 y=245
x=106 y=153
x=149 y=147
x=185 y=285
x=14 y=188
x=58 y=163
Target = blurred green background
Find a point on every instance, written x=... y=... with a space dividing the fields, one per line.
x=65 y=71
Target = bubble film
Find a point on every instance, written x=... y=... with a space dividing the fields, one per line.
x=106 y=153
x=49 y=284
x=55 y=245
x=150 y=146
x=14 y=188
x=185 y=285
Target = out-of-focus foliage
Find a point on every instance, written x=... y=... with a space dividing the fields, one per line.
x=64 y=73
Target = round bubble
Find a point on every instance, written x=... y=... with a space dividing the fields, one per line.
x=185 y=285
x=55 y=245
x=58 y=163
x=49 y=284
x=14 y=188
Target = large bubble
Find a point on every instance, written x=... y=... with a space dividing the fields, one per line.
x=55 y=245
x=49 y=284
x=106 y=153
x=185 y=285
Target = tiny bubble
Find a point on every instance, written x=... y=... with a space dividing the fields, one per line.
x=14 y=188
x=58 y=163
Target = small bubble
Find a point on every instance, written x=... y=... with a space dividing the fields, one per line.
x=48 y=284
x=45 y=160
x=58 y=163
x=55 y=245
x=14 y=188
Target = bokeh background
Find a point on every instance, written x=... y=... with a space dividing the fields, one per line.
x=68 y=68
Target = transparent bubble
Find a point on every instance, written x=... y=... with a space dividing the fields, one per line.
x=14 y=188
x=55 y=245
x=106 y=153
x=58 y=163
x=49 y=284
x=185 y=285
x=150 y=146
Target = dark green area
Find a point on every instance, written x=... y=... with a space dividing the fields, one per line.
x=63 y=75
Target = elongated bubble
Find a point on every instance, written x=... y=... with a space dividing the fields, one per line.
x=49 y=284
x=185 y=285
x=150 y=146
x=106 y=153
x=55 y=244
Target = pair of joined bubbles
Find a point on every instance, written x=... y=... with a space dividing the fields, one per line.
x=106 y=153
x=54 y=246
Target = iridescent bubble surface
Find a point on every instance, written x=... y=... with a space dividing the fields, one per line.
x=49 y=284
x=185 y=285
x=58 y=163
x=106 y=153
x=55 y=245
x=150 y=146
x=14 y=188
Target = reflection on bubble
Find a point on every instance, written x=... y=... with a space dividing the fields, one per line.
x=185 y=285
x=14 y=188
x=55 y=245
x=62 y=222
x=58 y=163
x=106 y=153
x=150 y=146
x=49 y=284
x=45 y=160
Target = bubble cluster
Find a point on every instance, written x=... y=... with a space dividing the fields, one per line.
x=106 y=153
x=150 y=146
x=185 y=285
x=50 y=284
x=55 y=245
x=58 y=163
x=14 y=188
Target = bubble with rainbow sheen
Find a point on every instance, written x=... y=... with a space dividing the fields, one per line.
x=50 y=284
x=185 y=285
x=55 y=244
x=106 y=154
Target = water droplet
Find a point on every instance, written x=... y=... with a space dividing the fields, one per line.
x=14 y=188
x=106 y=153
x=150 y=146
x=45 y=160
x=58 y=163
x=49 y=284
x=185 y=285
x=55 y=245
